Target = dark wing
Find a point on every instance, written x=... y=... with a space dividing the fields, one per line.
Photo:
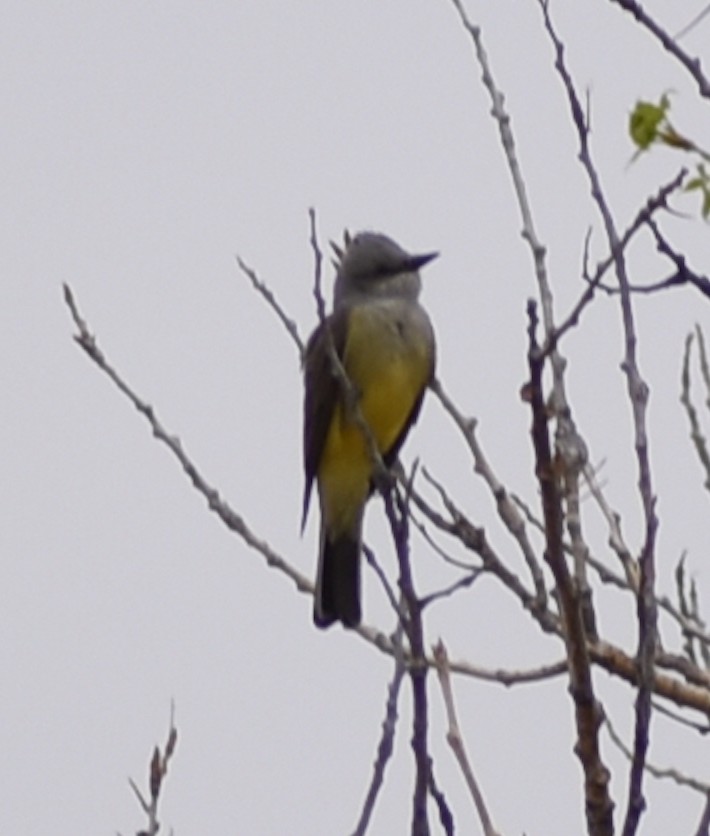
x=321 y=395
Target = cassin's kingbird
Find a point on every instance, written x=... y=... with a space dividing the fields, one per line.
x=385 y=342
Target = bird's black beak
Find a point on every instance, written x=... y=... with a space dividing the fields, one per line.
x=414 y=262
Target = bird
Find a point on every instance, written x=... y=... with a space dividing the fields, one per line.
x=386 y=346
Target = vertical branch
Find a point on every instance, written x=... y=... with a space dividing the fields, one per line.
x=689 y=647
x=637 y=388
x=698 y=619
x=580 y=550
x=696 y=433
x=704 y=367
x=386 y=745
x=446 y=819
x=397 y=515
x=317 y=266
x=455 y=739
x=588 y=715
x=570 y=446
x=537 y=248
x=704 y=825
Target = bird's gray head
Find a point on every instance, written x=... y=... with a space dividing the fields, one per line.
x=374 y=266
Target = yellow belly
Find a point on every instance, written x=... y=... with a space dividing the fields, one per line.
x=389 y=368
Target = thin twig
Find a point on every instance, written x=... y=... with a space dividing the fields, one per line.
x=616 y=539
x=704 y=365
x=701 y=728
x=692 y=24
x=271 y=300
x=380 y=473
x=638 y=397
x=610 y=658
x=696 y=434
x=643 y=217
x=396 y=510
x=456 y=741
x=692 y=65
x=235 y=522
x=704 y=824
x=691 y=625
x=448 y=591
x=437 y=549
x=445 y=815
x=667 y=773
x=615 y=661
x=386 y=744
x=474 y=538
x=86 y=340
x=684 y=274
x=598 y=803
x=157 y=771
x=507 y=511
x=384 y=580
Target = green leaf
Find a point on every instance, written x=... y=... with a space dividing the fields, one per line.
x=646 y=120
x=692 y=185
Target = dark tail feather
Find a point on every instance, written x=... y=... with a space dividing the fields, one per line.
x=338 y=582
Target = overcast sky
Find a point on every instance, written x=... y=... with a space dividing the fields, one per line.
x=144 y=145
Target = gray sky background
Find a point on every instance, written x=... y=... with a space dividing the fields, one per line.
x=143 y=146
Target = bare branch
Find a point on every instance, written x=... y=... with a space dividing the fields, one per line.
x=537 y=248
x=507 y=139
x=616 y=539
x=692 y=65
x=396 y=509
x=704 y=367
x=474 y=539
x=701 y=728
x=437 y=549
x=704 y=825
x=692 y=24
x=643 y=217
x=620 y=664
x=455 y=738
x=445 y=816
x=696 y=434
x=157 y=771
x=318 y=266
x=462 y=583
x=384 y=580
x=638 y=396
x=506 y=508
x=683 y=274
x=235 y=522
x=216 y=504
x=271 y=300
x=687 y=668
x=612 y=659
x=691 y=624
x=668 y=773
x=599 y=807
x=386 y=744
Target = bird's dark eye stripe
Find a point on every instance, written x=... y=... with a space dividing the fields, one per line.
x=382 y=271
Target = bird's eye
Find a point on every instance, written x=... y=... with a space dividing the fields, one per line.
x=384 y=269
